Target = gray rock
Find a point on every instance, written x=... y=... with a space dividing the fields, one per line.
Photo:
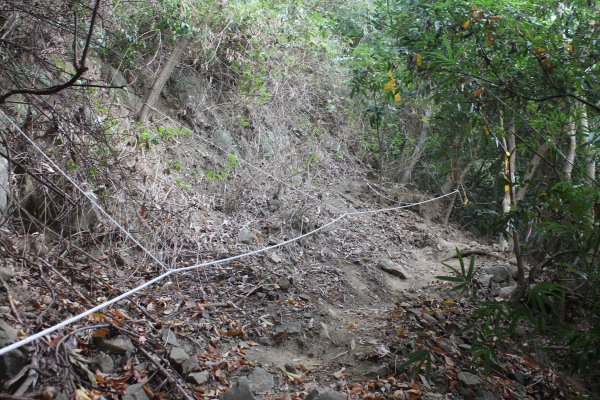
x=283 y=283
x=239 y=391
x=291 y=328
x=169 y=337
x=505 y=292
x=245 y=235
x=190 y=365
x=261 y=381
x=199 y=378
x=393 y=269
x=135 y=392
x=304 y=296
x=484 y=279
x=324 y=331
x=178 y=356
x=325 y=394
x=499 y=273
x=115 y=345
x=6 y=273
x=104 y=363
x=8 y=334
x=469 y=379
x=10 y=363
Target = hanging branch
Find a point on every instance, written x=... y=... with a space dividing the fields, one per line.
x=80 y=68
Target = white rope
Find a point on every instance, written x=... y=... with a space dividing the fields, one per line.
x=86 y=194
x=169 y=271
x=130 y=292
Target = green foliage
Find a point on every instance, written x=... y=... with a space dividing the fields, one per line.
x=463 y=277
x=149 y=137
x=416 y=361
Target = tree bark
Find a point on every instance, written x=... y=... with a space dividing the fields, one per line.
x=419 y=147
x=588 y=138
x=533 y=166
x=570 y=158
x=162 y=78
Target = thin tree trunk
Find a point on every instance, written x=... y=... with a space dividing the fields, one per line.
x=162 y=78
x=570 y=159
x=588 y=138
x=533 y=166
x=419 y=147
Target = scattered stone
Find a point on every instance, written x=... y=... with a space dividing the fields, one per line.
x=178 y=356
x=429 y=319
x=505 y=292
x=135 y=392
x=290 y=368
x=291 y=328
x=168 y=337
x=261 y=381
x=104 y=363
x=239 y=391
x=275 y=258
x=520 y=377
x=245 y=235
x=6 y=273
x=324 y=331
x=393 y=269
x=10 y=363
x=115 y=345
x=283 y=283
x=304 y=296
x=190 y=365
x=199 y=378
x=468 y=378
x=325 y=394
x=484 y=280
x=499 y=273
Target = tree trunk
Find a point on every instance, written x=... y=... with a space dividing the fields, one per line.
x=162 y=78
x=419 y=147
x=533 y=166
x=588 y=138
x=570 y=158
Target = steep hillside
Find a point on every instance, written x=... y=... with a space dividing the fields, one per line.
x=192 y=208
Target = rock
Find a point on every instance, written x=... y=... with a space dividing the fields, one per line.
x=324 y=331
x=199 y=378
x=261 y=381
x=12 y=362
x=429 y=319
x=245 y=235
x=168 y=337
x=499 y=273
x=291 y=328
x=115 y=345
x=239 y=391
x=104 y=363
x=484 y=280
x=275 y=258
x=325 y=394
x=469 y=379
x=8 y=334
x=283 y=283
x=6 y=273
x=190 y=365
x=178 y=356
x=393 y=269
x=505 y=292
x=135 y=392
x=304 y=297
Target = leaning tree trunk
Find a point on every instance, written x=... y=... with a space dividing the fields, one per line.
x=533 y=166
x=162 y=78
x=419 y=147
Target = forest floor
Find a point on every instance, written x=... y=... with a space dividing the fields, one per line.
x=343 y=309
